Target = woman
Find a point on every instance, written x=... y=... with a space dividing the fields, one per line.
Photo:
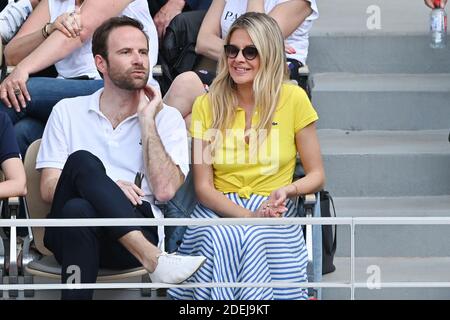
x=10 y=163
x=294 y=17
x=246 y=133
x=38 y=45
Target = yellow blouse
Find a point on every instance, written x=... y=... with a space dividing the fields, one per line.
x=262 y=165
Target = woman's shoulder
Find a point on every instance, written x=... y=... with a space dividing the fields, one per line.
x=290 y=90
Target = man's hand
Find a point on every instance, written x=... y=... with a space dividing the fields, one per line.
x=150 y=103
x=132 y=191
x=166 y=14
x=430 y=3
x=13 y=90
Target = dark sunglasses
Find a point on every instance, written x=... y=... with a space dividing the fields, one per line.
x=249 y=52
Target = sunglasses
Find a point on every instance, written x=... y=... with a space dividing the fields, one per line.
x=249 y=52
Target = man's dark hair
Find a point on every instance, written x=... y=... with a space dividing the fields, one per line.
x=100 y=37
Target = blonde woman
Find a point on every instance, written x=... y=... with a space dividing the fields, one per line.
x=294 y=17
x=246 y=134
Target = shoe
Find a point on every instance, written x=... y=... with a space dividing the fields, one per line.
x=175 y=269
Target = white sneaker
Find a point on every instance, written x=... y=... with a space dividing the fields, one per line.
x=175 y=269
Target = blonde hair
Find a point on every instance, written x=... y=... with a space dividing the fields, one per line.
x=268 y=40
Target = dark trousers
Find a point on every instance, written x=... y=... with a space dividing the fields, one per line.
x=85 y=191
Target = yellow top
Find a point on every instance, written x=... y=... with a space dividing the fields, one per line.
x=262 y=165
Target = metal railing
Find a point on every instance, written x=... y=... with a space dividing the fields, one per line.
x=350 y=221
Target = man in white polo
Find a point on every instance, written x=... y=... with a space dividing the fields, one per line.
x=110 y=155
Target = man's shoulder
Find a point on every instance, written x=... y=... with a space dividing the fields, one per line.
x=80 y=103
x=168 y=112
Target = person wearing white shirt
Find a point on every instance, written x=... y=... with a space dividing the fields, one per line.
x=90 y=158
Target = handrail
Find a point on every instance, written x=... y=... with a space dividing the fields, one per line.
x=351 y=221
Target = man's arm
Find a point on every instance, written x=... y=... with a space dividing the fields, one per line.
x=49 y=180
x=166 y=14
x=163 y=174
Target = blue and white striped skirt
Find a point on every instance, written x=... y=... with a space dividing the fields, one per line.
x=237 y=253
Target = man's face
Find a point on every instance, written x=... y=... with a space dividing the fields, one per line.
x=127 y=64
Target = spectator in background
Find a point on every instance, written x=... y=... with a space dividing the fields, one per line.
x=295 y=18
x=163 y=11
x=430 y=3
x=13 y=16
x=41 y=43
x=10 y=163
x=246 y=134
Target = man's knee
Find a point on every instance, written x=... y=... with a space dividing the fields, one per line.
x=85 y=161
x=77 y=209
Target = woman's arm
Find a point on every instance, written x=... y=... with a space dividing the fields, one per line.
x=15 y=184
x=209 y=42
x=205 y=190
x=255 y=6
x=23 y=44
x=309 y=150
x=290 y=15
x=29 y=36
x=93 y=14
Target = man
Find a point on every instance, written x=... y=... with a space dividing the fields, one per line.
x=89 y=159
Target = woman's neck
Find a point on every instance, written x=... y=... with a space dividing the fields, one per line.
x=245 y=96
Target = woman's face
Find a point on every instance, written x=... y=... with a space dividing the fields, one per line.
x=243 y=70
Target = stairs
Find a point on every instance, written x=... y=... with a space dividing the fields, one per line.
x=383 y=98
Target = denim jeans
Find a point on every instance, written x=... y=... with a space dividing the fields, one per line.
x=45 y=93
x=181 y=206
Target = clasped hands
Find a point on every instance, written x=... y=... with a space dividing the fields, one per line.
x=274 y=206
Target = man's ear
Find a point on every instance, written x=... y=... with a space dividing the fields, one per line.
x=100 y=63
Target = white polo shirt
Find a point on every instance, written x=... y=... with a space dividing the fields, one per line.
x=78 y=124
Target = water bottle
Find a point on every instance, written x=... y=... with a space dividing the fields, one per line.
x=438 y=26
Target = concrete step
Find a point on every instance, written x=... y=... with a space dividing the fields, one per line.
x=376 y=54
x=390 y=270
x=386 y=163
x=343 y=38
x=394 y=240
x=352 y=101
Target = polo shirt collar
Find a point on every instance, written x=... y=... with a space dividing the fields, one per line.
x=94 y=104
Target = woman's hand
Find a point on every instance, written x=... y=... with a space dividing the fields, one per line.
x=13 y=90
x=275 y=206
x=68 y=23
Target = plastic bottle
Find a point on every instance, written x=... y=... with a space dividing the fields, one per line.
x=438 y=26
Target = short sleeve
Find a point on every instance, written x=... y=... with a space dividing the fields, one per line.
x=172 y=131
x=8 y=143
x=54 y=151
x=201 y=118
x=304 y=111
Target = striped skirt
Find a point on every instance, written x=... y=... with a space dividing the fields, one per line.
x=237 y=253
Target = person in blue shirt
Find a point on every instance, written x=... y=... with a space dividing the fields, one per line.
x=10 y=162
x=163 y=11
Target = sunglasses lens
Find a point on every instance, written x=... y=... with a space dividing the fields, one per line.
x=250 y=53
x=231 y=51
